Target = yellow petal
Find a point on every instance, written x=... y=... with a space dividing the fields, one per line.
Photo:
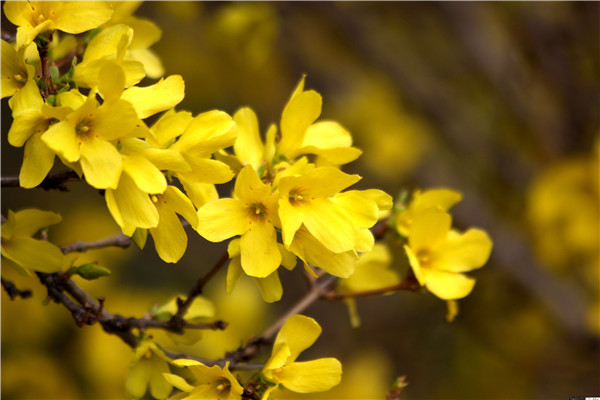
x=358 y=206
x=207 y=133
x=279 y=357
x=248 y=146
x=165 y=159
x=248 y=186
x=181 y=204
x=299 y=333
x=111 y=81
x=270 y=287
x=311 y=376
x=415 y=265
x=62 y=139
x=222 y=219
x=234 y=273
x=101 y=163
x=130 y=207
x=114 y=120
x=314 y=252
x=291 y=220
x=33 y=254
x=464 y=252
x=288 y=259
x=81 y=16
x=364 y=240
x=159 y=387
x=448 y=285
x=429 y=228
x=199 y=193
x=299 y=113
x=170 y=239
x=24 y=125
x=206 y=170
x=443 y=198
x=159 y=97
x=170 y=125
x=329 y=224
x=29 y=221
x=37 y=162
x=28 y=97
x=137 y=379
x=178 y=382
x=320 y=182
x=152 y=64
x=145 y=175
x=17 y=12
x=259 y=252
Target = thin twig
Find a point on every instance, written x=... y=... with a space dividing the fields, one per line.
x=409 y=284
x=54 y=181
x=119 y=240
x=13 y=291
x=184 y=305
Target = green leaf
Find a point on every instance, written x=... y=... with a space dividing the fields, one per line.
x=51 y=100
x=91 y=271
x=54 y=74
x=139 y=237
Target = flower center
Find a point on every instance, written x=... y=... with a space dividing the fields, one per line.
x=84 y=128
x=257 y=211
x=297 y=196
x=424 y=257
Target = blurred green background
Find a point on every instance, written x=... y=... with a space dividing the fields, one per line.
x=497 y=100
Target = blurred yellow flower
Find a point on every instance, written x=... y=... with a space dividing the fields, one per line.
x=213 y=383
x=147 y=369
x=439 y=256
x=25 y=251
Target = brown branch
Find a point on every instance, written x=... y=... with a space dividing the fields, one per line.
x=183 y=305
x=409 y=284
x=54 y=181
x=89 y=312
x=119 y=240
x=13 y=291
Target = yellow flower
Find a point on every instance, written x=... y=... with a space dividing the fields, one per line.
x=213 y=383
x=270 y=286
x=442 y=198
x=439 y=256
x=296 y=335
x=16 y=75
x=146 y=33
x=86 y=134
x=252 y=213
x=109 y=45
x=147 y=369
x=35 y=17
x=300 y=135
x=333 y=218
x=25 y=251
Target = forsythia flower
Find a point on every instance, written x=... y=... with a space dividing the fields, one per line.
x=439 y=256
x=213 y=383
x=25 y=251
x=16 y=74
x=35 y=17
x=251 y=214
x=147 y=369
x=296 y=335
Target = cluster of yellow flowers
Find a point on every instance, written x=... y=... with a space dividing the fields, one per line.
x=290 y=198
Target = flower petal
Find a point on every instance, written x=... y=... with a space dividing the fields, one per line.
x=429 y=229
x=299 y=333
x=311 y=376
x=270 y=287
x=170 y=239
x=101 y=163
x=448 y=285
x=222 y=219
x=131 y=208
x=159 y=97
x=464 y=252
x=38 y=160
x=234 y=273
x=291 y=220
x=329 y=224
x=248 y=146
x=314 y=252
x=62 y=139
x=299 y=113
x=29 y=221
x=81 y=16
x=145 y=175
x=259 y=251
x=178 y=382
x=30 y=253
x=181 y=204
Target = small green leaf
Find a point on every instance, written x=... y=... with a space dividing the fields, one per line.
x=139 y=237
x=73 y=62
x=54 y=73
x=51 y=100
x=91 y=271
